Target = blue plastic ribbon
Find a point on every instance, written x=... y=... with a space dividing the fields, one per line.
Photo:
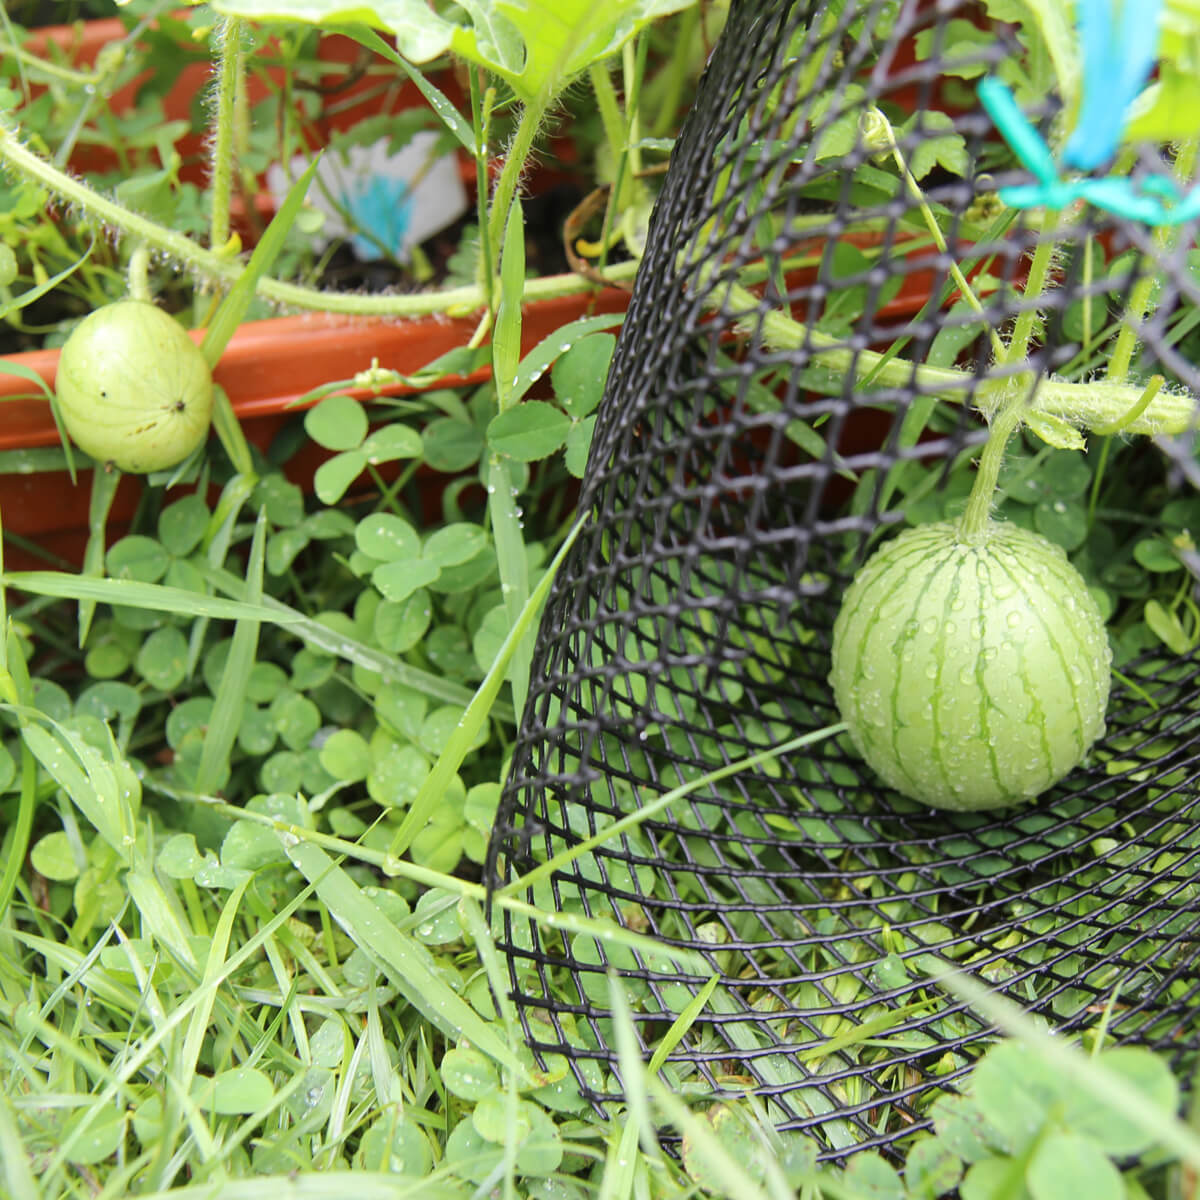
x=383 y=208
x=1119 y=52
x=1118 y=56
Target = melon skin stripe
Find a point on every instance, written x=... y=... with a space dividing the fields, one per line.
x=971 y=673
x=133 y=389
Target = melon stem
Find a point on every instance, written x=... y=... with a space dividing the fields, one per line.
x=975 y=518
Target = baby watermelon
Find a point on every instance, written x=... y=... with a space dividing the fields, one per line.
x=133 y=389
x=972 y=673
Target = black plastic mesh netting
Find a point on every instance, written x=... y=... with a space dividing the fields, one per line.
x=798 y=375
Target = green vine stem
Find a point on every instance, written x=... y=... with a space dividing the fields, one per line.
x=528 y=124
x=228 y=35
x=138 y=274
x=877 y=130
x=224 y=269
x=979 y=503
x=1081 y=404
x=1005 y=420
x=1139 y=301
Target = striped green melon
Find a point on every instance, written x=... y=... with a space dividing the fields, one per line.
x=971 y=674
x=133 y=389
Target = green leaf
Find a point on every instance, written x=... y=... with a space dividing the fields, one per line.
x=946 y=148
x=396 y=1146
x=181 y=525
x=387 y=537
x=451 y=445
x=346 y=756
x=420 y=33
x=455 y=544
x=100 y=1140
x=1157 y=554
x=391 y=443
x=138 y=558
x=332 y=478
x=537 y=46
x=406 y=964
x=579 y=375
x=579 y=446
x=250 y=847
x=52 y=857
x=337 y=423
x=230 y=698
x=529 y=431
x=872 y=1178
x=468 y=729
x=535 y=364
x=162 y=660
x=1015 y=1091
x=1167 y=111
x=468 y=1074
x=179 y=858
x=1066 y=1164
x=400 y=625
x=1062 y=521
x=242 y=1090
x=399 y=580
x=931 y=1169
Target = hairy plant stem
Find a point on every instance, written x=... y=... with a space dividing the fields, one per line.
x=226 y=270
x=138 y=274
x=230 y=65
x=879 y=128
x=1088 y=404
x=1005 y=421
x=1139 y=301
x=528 y=124
x=979 y=504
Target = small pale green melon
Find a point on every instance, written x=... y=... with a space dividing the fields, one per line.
x=133 y=389
x=972 y=674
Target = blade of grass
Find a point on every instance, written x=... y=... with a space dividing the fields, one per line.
x=233 y=308
x=605 y=931
x=230 y=700
x=450 y=116
x=135 y=1060
x=104 y=488
x=16 y=845
x=398 y=956
x=321 y=637
x=477 y=711
x=83 y=774
x=645 y=812
x=511 y=559
x=618 y=1180
x=639 y=1085
x=215 y=970
x=1090 y=1074
x=539 y=360
x=19 y=1181
x=155 y=596
x=325 y=1185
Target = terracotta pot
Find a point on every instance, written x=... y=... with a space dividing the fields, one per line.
x=266 y=370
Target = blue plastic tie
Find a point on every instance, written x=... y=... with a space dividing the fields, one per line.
x=1118 y=55
x=1119 y=52
x=383 y=209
